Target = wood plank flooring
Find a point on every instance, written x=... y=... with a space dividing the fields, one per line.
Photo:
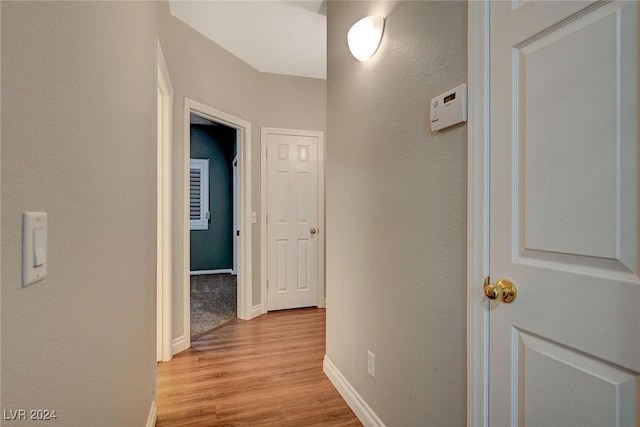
x=262 y=372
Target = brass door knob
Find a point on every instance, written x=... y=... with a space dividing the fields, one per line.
x=313 y=231
x=504 y=290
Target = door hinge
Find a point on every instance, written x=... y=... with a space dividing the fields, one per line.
x=267 y=284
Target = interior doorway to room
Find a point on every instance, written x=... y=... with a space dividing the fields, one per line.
x=213 y=224
x=245 y=309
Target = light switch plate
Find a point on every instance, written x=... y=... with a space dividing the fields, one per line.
x=34 y=247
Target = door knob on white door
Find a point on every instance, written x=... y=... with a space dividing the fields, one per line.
x=504 y=290
x=313 y=231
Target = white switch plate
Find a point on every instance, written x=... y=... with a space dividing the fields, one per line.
x=34 y=247
x=371 y=364
x=254 y=218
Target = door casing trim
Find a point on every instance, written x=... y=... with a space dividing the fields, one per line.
x=164 y=129
x=478 y=194
x=243 y=127
x=263 y=214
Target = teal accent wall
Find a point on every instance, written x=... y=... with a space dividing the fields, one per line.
x=212 y=249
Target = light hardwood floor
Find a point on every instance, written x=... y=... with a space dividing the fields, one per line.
x=262 y=372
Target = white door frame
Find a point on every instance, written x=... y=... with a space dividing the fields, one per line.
x=234 y=176
x=163 y=208
x=243 y=128
x=478 y=193
x=263 y=207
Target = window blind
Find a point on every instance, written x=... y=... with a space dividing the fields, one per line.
x=199 y=194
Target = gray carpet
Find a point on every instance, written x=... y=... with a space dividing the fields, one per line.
x=213 y=301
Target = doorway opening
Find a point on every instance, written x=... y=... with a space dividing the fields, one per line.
x=213 y=224
x=242 y=128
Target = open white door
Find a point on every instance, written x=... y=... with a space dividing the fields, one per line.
x=164 y=105
x=293 y=227
x=564 y=214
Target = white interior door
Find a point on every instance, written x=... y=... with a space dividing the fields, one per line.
x=292 y=220
x=564 y=214
x=164 y=200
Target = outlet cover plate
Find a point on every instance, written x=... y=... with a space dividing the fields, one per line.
x=371 y=364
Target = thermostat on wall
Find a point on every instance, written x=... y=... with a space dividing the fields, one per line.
x=449 y=108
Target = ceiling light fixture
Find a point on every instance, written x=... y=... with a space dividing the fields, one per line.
x=364 y=37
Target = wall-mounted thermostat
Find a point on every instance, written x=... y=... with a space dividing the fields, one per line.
x=449 y=108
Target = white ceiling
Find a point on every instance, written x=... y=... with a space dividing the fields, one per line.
x=273 y=36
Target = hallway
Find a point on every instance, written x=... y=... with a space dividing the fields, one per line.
x=266 y=372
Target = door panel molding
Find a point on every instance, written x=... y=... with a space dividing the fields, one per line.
x=589 y=380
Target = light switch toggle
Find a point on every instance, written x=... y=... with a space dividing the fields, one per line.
x=39 y=247
x=34 y=247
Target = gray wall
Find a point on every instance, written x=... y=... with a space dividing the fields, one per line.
x=78 y=141
x=205 y=72
x=293 y=102
x=396 y=212
x=78 y=101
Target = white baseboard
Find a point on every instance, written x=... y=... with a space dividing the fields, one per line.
x=357 y=404
x=151 y=419
x=179 y=344
x=201 y=272
x=256 y=311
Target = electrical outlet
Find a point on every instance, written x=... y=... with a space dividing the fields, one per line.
x=371 y=364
